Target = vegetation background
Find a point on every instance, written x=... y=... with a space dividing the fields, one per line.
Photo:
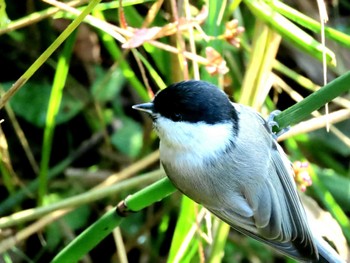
x=71 y=146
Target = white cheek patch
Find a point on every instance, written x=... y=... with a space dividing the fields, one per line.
x=196 y=139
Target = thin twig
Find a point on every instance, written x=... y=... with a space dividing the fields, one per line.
x=180 y=41
x=191 y=39
x=37 y=17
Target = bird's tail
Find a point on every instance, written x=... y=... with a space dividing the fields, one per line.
x=326 y=253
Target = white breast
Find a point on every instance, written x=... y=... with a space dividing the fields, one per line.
x=188 y=144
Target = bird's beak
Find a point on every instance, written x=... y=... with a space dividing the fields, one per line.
x=146 y=107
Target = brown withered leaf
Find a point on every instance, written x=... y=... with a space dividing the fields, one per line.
x=142 y=35
x=232 y=32
x=216 y=63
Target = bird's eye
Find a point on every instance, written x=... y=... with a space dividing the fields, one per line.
x=177 y=116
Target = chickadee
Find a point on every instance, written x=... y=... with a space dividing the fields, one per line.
x=224 y=156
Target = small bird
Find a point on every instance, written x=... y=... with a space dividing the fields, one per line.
x=224 y=156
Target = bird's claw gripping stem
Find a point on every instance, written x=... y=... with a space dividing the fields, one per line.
x=272 y=123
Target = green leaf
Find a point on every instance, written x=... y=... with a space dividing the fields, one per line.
x=331 y=140
x=128 y=139
x=339 y=186
x=31 y=104
x=76 y=219
x=53 y=236
x=107 y=85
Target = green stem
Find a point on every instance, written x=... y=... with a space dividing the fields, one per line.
x=220 y=240
x=309 y=23
x=47 y=53
x=289 y=31
x=36 y=17
x=89 y=238
x=316 y=100
x=150 y=195
x=21 y=194
x=117 y=54
x=53 y=108
x=18 y=197
x=78 y=200
x=105 y=225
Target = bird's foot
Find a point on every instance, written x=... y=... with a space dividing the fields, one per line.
x=272 y=123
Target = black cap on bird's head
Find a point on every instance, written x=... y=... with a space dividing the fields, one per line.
x=191 y=101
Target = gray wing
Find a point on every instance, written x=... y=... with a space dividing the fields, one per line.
x=283 y=223
x=278 y=217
